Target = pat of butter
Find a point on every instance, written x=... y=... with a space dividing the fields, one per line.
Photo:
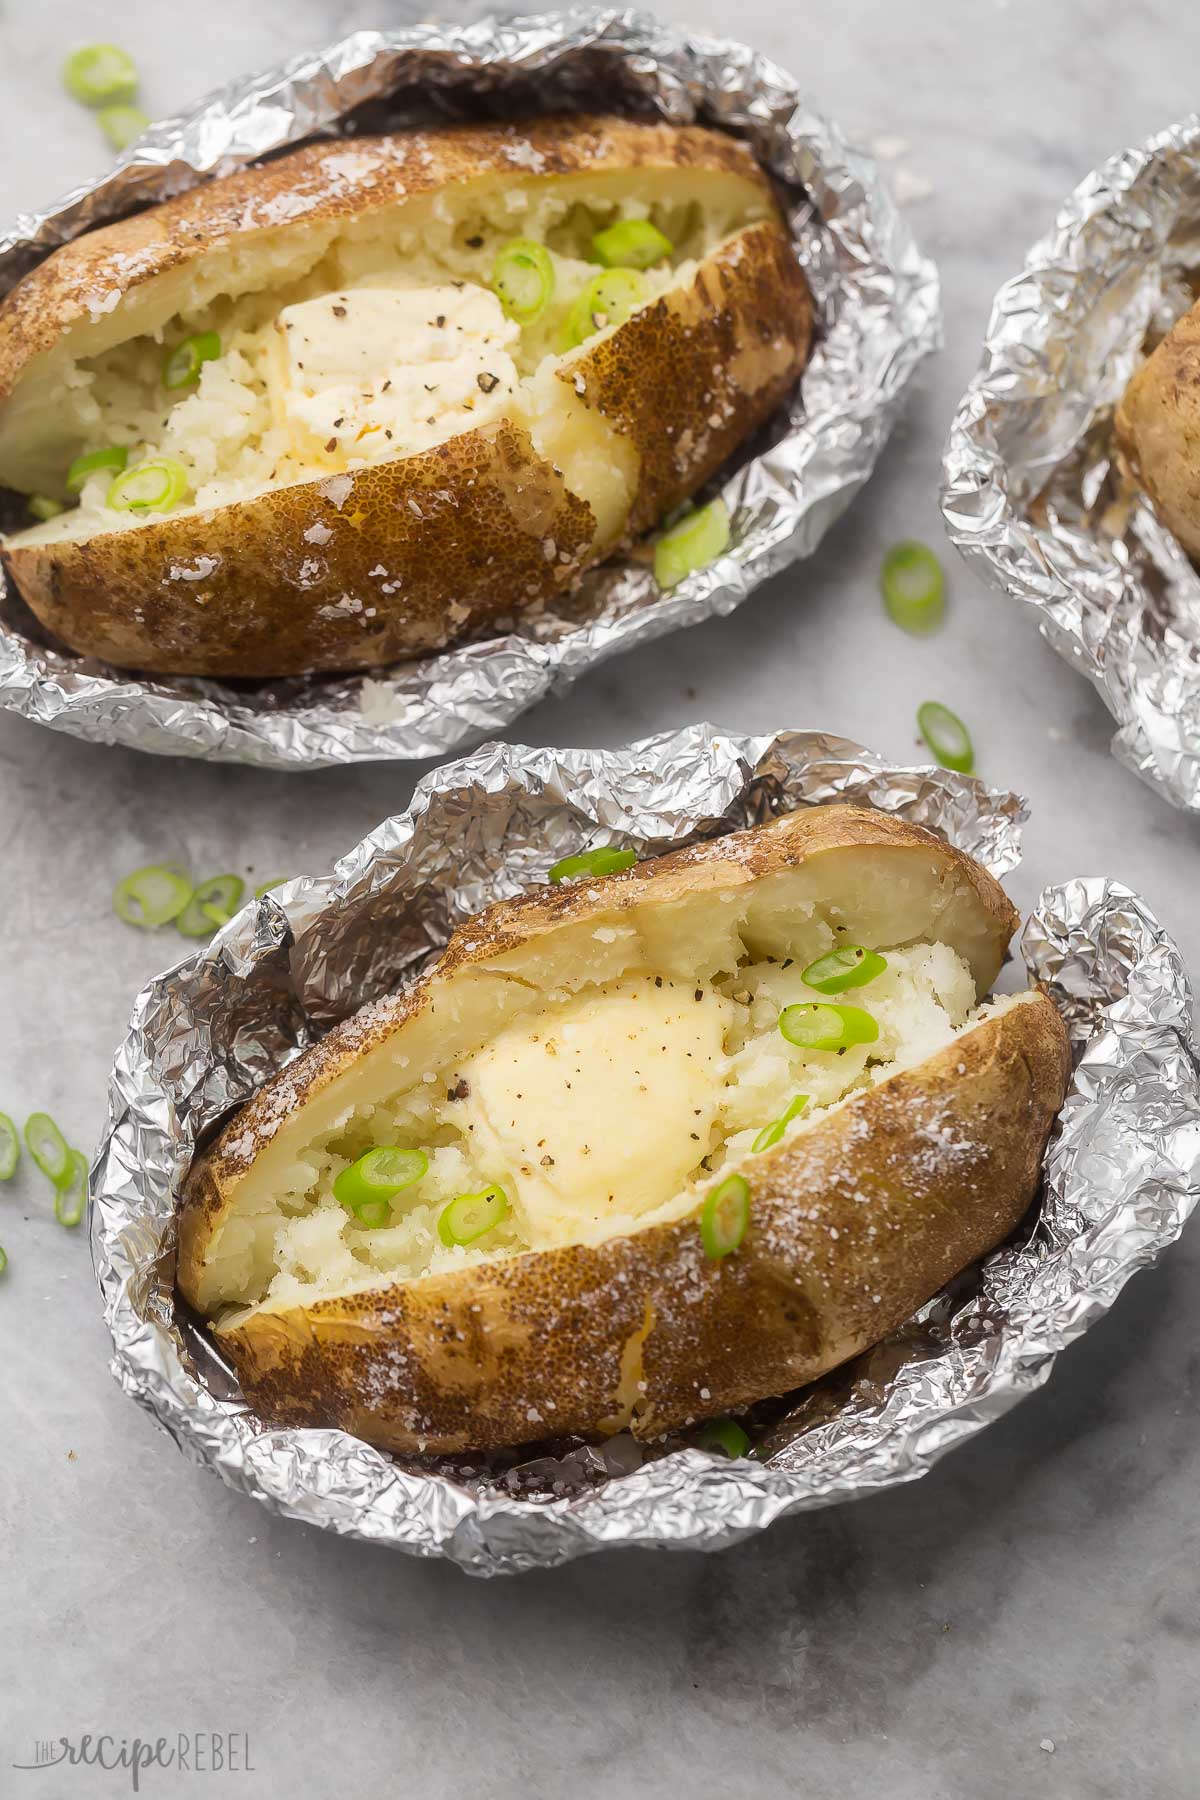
x=603 y=1108
x=375 y=372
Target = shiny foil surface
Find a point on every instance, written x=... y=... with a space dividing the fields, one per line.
x=877 y=316
x=1122 y=1174
x=1033 y=492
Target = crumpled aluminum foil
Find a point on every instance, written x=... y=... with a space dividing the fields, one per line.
x=1032 y=489
x=1122 y=1174
x=876 y=298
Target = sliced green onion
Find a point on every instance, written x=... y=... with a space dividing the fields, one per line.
x=606 y=860
x=725 y=1216
x=697 y=540
x=367 y=1187
x=631 y=244
x=98 y=74
x=48 y=1148
x=113 y=456
x=815 y=1025
x=70 y=1199
x=181 y=366
x=770 y=1134
x=122 y=125
x=523 y=280
x=723 y=1434
x=3 y=1259
x=266 y=886
x=44 y=506
x=154 y=486
x=946 y=736
x=211 y=902
x=10 y=1148
x=914 y=588
x=470 y=1216
x=608 y=299
x=152 y=896
x=849 y=966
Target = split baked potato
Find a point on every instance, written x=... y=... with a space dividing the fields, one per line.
x=384 y=393
x=637 y=1150
x=1158 y=423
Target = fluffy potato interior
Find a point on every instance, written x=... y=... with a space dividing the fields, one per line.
x=604 y=1074
x=353 y=342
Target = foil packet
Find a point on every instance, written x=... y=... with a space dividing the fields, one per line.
x=1122 y=1173
x=878 y=315
x=1033 y=490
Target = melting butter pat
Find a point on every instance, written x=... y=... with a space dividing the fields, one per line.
x=604 y=1109
x=377 y=372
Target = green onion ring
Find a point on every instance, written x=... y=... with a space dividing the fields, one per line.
x=215 y=895
x=97 y=74
x=366 y=1187
x=122 y=125
x=3 y=1259
x=697 y=540
x=605 y=860
x=725 y=1216
x=154 y=486
x=265 y=887
x=815 y=1025
x=849 y=966
x=523 y=280
x=472 y=1216
x=44 y=507
x=631 y=244
x=946 y=736
x=113 y=456
x=181 y=366
x=71 y=1195
x=152 y=896
x=725 y=1435
x=10 y=1148
x=913 y=586
x=48 y=1148
x=770 y=1134
x=608 y=299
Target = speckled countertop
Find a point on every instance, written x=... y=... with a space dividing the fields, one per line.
x=1025 y=1621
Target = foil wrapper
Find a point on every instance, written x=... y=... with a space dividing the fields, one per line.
x=1122 y=1174
x=1033 y=490
x=878 y=315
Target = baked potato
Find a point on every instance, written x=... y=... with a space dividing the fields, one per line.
x=385 y=393
x=620 y=1161
x=1157 y=424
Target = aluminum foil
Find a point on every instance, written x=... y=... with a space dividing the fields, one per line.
x=1122 y=1174
x=1033 y=491
x=878 y=312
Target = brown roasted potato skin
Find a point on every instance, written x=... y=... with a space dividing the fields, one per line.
x=1158 y=426
x=853 y=1226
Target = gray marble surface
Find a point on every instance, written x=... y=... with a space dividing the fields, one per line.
x=1023 y=1622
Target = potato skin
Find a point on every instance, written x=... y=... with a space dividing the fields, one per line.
x=1158 y=427
x=853 y=1225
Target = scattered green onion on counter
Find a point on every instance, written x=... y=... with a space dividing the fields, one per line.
x=849 y=966
x=3 y=1259
x=100 y=75
x=697 y=540
x=212 y=902
x=113 y=456
x=914 y=588
x=631 y=244
x=44 y=506
x=471 y=1216
x=48 y=1148
x=154 y=486
x=368 y=1185
x=181 y=366
x=523 y=280
x=71 y=1194
x=770 y=1134
x=122 y=125
x=265 y=887
x=152 y=896
x=725 y=1435
x=725 y=1216
x=608 y=299
x=946 y=736
x=814 y=1025
x=10 y=1148
x=606 y=860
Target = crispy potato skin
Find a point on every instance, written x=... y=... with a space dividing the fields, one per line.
x=360 y=570
x=854 y=1223
x=853 y=1226
x=1158 y=424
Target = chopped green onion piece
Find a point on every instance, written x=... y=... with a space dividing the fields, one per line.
x=631 y=244
x=946 y=736
x=770 y=1134
x=70 y=1199
x=212 y=902
x=723 y=1434
x=44 y=507
x=10 y=1148
x=725 y=1216
x=3 y=1259
x=849 y=966
x=152 y=896
x=181 y=366
x=98 y=74
x=608 y=299
x=697 y=540
x=113 y=456
x=817 y=1026
x=367 y=1187
x=523 y=280
x=122 y=125
x=266 y=886
x=470 y=1216
x=606 y=860
x=154 y=486
x=914 y=588
x=48 y=1148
